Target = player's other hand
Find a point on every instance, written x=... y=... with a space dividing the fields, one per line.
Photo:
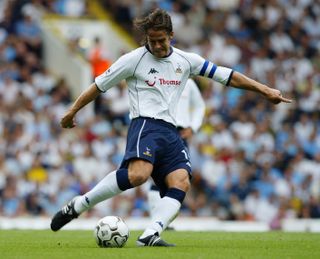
x=67 y=120
x=275 y=96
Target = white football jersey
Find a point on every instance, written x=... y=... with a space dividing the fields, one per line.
x=155 y=84
x=191 y=107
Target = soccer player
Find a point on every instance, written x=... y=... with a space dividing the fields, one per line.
x=156 y=74
x=189 y=117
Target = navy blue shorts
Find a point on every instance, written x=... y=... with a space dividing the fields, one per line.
x=159 y=143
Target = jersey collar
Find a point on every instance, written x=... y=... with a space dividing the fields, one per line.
x=171 y=50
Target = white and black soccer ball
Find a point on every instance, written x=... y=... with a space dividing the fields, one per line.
x=111 y=231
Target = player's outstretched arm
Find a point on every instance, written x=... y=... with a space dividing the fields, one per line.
x=85 y=97
x=239 y=80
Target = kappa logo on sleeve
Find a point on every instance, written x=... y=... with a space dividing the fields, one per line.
x=107 y=71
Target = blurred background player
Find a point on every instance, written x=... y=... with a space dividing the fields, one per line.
x=190 y=114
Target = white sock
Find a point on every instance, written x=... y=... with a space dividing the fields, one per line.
x=165 y=212
x=105 y=189
x=153 y=199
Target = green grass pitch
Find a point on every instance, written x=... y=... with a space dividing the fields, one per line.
x=196 y=245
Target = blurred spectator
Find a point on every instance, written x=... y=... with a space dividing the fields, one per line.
x=33 y=206
x=98 y=58
x=74 y=8
x=37 y=172
x=11 y=203
x=100 y=62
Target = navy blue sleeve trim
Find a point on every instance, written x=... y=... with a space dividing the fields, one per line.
x=204 y=68
x=229 y=79
x=213 y=69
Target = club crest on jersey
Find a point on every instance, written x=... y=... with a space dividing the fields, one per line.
x=153 y=71
x=179 y=70
x=147 y=152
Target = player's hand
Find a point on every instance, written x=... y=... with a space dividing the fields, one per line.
x=275 y=96
x=67 y=120
x=186 y=133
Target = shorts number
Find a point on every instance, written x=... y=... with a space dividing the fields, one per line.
x=186 y=155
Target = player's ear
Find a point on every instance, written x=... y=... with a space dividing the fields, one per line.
x=171 y=35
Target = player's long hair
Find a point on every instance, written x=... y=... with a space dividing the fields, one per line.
x=158 y=20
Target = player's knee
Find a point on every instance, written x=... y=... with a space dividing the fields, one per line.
x=137 y=179
x=139 y=171
x=184 y=184
x=179 y=180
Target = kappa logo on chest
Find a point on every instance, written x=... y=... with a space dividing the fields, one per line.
x=153 y=71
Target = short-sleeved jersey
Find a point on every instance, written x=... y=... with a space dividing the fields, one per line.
x=155 y=84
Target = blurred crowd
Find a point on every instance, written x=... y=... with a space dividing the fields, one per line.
x=251 y=160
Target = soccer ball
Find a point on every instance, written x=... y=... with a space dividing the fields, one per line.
x=111 y=231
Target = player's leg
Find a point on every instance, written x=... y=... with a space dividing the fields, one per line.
x=172 y=175
x=168 y=207
x=153 y=193
x=154 y=198
x=114 y=183
x=135 y=169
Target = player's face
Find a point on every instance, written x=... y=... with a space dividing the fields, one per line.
x=159 y=42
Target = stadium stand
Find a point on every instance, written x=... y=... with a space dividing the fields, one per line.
x=251 y=160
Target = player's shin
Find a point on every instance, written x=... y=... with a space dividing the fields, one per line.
x=105 y=189
x=165 y=211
